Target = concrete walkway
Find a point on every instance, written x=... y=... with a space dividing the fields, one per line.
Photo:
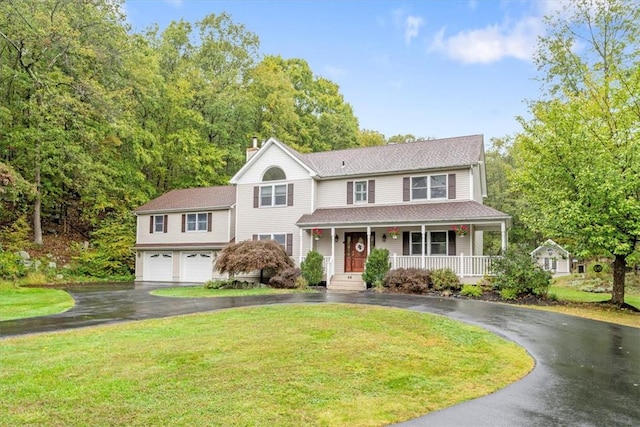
x=587 y=372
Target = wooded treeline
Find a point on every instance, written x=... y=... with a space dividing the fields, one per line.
x=96 y=119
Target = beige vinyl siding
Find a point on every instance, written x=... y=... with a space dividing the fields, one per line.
x=220 y=230
x=275 y=156
x=279 y=219
x=333 y=193
x=477 y=185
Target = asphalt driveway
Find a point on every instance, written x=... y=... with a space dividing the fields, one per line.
x=587 y=372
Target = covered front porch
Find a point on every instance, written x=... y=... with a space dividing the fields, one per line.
x=429 y=243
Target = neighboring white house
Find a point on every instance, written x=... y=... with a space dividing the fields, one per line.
x=430 y=192
x=552 y=257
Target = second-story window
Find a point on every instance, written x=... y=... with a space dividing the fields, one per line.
x=429 y=187
x=360 y=191
x=273 y=195
x=197 y=222
x=158 y=224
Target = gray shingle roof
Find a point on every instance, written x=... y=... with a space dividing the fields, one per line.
x=402 y=214
x=192 y=199
x=410 y=156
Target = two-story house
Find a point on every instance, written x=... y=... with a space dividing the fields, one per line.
x=420 y=200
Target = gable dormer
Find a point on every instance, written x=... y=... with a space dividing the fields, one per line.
x=272 y=154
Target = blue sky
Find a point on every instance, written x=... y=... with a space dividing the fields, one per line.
x=427 y=68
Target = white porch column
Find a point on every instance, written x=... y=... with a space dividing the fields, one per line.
x=472 y=233
x=503 y=233
x=368 y=240
x=300 y=234
x=423 y=260
x=333 y=243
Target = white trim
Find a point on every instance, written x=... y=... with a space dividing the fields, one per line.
x=271 y=141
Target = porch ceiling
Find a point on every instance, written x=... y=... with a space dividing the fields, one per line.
x=467 y=211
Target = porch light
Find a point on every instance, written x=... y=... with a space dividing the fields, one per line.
x=384 y=237
x=337 y=238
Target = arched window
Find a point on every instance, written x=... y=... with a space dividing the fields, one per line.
x=274 y=174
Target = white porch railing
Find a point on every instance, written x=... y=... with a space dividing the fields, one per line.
x=462 y=265
x=328 y=266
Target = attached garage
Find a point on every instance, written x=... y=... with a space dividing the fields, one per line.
x=196 y=267
x=158 y=267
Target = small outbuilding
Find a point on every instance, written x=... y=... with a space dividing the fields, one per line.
x=552 y=257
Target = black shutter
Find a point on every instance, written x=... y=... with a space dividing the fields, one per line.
x=452 y=243
x=371 y=188
x=290 y=195
x=209 y=221
x=349 y=192
x=151 y=224
x=406 y=242
x=452 y=185
x=289 y=244
x=165 y=223
x=256 y=197
x=184 y=220
x=406 y=189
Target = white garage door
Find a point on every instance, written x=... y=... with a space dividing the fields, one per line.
x=158 y=267
x=196 y=267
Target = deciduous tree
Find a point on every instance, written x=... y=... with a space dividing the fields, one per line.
x=578 y=159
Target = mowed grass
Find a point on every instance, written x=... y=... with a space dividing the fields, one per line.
x=587 y=304
x=201 y=292
x=16 y=303
x=292 y=365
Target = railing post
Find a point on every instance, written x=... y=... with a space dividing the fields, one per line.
x=394 y=261
x=461 y=264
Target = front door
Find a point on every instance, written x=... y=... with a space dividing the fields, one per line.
x=355 y=252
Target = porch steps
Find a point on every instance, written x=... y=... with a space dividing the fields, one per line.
x=347 y=282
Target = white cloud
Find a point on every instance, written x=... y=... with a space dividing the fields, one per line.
x=409 y=24
x=412 y=27
x=491 y=43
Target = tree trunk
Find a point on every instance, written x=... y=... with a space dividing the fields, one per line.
x=37 y=205
x=619 y=268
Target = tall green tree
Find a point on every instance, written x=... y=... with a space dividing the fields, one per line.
x=300 y=108
x=59 y=62
x=370 y=138
x=578 y=158
x=503 y=197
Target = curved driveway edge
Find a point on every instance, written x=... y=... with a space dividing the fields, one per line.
x=587 y=372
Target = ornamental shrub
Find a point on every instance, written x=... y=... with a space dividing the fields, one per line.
x=444 y=279
x=408 y=280
x=311 y=268
x=11 y=266
x=286 y=279
x=474 y=291
x=516 y=274
x=377 y=266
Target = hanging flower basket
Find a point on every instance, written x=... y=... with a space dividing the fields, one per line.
x=316 y=233
x=393 y=232
x=460 y=230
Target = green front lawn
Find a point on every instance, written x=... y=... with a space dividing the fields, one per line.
x=288 y=365
x=201 y=292
x=16 y=303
